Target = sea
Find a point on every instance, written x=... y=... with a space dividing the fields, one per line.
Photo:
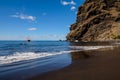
x=20 y=60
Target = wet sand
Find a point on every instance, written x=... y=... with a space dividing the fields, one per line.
x=101 y=64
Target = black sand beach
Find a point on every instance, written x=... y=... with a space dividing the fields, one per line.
x=100 y=64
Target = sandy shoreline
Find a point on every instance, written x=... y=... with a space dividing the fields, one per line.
x=92 y=65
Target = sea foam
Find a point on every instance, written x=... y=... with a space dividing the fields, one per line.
x=22 y=56
x=88 y=47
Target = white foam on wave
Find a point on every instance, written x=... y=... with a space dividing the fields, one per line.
x=89 y=47
x=16 y=57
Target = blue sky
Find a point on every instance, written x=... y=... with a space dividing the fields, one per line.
x=37 y=19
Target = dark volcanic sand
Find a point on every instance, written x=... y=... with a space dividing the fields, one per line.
x=101 y=64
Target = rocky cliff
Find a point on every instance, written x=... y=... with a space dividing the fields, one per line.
x=97 y=20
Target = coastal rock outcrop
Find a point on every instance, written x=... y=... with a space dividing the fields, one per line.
x=97 y=20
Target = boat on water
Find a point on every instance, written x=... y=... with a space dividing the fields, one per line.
x=28 y=40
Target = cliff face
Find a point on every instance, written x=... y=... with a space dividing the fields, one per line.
x=97 y=20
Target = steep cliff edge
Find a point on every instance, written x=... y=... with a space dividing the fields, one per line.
x=97 y=20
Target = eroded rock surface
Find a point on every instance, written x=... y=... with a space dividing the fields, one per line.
x=97 y=20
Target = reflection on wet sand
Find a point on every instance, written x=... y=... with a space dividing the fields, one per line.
x=85 y=54
x=79 y=55
x=91 y=53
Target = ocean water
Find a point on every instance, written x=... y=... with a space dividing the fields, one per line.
x=20 y=60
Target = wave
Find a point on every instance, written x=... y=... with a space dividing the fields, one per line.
x=89 y=47
x=22 y=56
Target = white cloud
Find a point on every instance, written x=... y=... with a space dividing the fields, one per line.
x=68 y=3
x=65 y=3
x=68 y=26
x=76 y=12
x=32 y=29
x=72 y=2
x=73 y=8
x=24 y=17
